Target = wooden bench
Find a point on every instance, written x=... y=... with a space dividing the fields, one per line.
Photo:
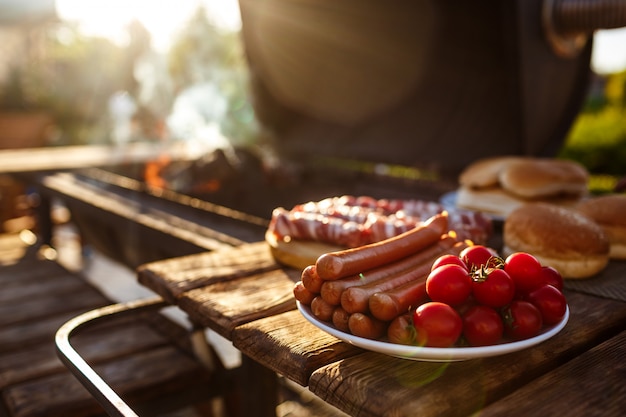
x=148 y=362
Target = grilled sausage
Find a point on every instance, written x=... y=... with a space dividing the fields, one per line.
x=331 y=290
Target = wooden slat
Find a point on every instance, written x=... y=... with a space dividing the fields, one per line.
x=164 y=370
x=111 y=342
x=373 y=384
x=225 y=305
x=19 y=311
x=72 y=157
x=290 y=345
x=173 y=277
x=589 y=385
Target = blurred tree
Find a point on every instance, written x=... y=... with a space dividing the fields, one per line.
x=203 y=54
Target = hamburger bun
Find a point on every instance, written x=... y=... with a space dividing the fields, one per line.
x=499 y=185
x=295 y=253
x=486 y=172
x=609 y=212
x=544 y=178
x=559 y=237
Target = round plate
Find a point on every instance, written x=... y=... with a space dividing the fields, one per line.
x=431 y=354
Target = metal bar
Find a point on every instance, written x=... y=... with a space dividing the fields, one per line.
x=102 y=392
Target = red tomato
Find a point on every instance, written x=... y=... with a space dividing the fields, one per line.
x=525 y=270
x=448 y=259
x=450 y=284
x=482 y=326
x=550 y=302
x=522 y=320
x=477 y=256
x=437 y=324
x=552 y=277
x=495 y=288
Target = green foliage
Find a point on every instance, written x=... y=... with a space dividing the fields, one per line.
x=598 y=137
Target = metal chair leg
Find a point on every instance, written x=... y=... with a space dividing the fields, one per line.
x=102 y=392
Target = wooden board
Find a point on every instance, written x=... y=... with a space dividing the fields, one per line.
x=591 y=385
x=408 y=388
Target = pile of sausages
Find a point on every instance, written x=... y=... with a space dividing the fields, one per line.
x=361 y=290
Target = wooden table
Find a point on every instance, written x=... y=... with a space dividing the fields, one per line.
x=242 y=294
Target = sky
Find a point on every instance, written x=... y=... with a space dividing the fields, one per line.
x=161 y=18
x=164 y=17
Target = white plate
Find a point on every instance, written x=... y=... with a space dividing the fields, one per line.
x=431 y=354
x=448 y=201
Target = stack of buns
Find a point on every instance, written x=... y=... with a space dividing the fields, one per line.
x=609 y=212
x=499 y=185
x=577 y=241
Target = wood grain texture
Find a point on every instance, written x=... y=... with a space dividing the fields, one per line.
x=290 y=345
x=374 y=385
x=172 y=278
x=589 y=385
x=225 y=305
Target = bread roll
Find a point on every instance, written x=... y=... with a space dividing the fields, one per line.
x=609 y=212
x=544 y=178
x=297 y=254
x=486 y=172
x=559 y=237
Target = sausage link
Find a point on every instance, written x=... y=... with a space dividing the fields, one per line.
x=340 y=264
x=331 y=290
x=366 y=326
x=340 y=319
x=311 y=280
x=356 y=299
x=321 y=309
x=402 y=331
x=389 y=304
x=302 y=294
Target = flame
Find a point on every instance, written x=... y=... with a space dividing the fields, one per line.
x=152 y=171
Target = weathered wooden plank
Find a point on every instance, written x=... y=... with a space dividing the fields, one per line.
x=373 y=384
x=110 y=342
x=18 y=311
x=589 y=385
x=72 y=157
x=290 y=345
x=173 y=277
x=225 y=305
x=136 y=378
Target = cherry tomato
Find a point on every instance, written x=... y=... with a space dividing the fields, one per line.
x=482 y=326
x=522 y=320
x=552 y=277
x=448 y=259
x=437 y=324
x=525 y=270
x=477 y=256
x=550 y=302
x=450 y=284
x=493 y=287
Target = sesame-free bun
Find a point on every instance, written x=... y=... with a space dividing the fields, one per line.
x=609 y=211
x=486 y=172
x=498 y=185
x=559 y=237
x=295 y=253
x=539 y=178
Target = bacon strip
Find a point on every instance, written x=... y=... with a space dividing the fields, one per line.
x=351 y=221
